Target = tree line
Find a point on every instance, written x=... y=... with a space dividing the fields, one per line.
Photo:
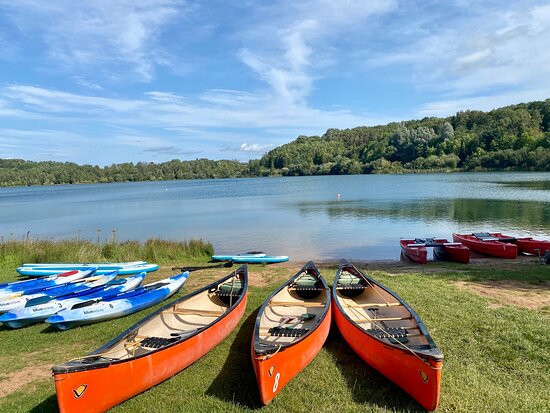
x=510 y=138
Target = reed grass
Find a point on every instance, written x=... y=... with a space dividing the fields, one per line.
x=14 y=253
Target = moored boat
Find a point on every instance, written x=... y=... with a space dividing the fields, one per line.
x=526 y=245
x=487 y=244
x=37 y=284
x=154 y=349
x=387 y=334
x=88 y=283
x=416 y=250
x=291 y=327
x=251 y=258
x=39 y=309
x=119 y=305
x=45 y=270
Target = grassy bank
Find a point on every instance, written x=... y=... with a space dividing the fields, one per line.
x=495 y=356
x=15 y=253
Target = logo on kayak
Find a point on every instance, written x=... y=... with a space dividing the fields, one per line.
x=424 y=376
x=79 y=391
x=271 y=370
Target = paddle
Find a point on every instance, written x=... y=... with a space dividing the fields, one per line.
x=226 y=264
x=303 y=317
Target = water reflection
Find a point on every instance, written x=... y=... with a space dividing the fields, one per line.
x=462 y=212
x=543 y=185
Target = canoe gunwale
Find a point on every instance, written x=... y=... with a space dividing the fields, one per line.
x=66 y=368
x=433 y=353
x=267 y=350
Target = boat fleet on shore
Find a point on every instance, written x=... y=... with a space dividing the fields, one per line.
x=290 y=329
x=493 y=244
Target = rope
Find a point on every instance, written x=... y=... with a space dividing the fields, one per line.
x=268 y=356
x=391 y=335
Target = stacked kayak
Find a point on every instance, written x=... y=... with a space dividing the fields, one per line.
x=251 y=258
x=488 y=244
x=40 y=308
x=154 y=349
x=416 y=250
x=291 y=327
x=87 y=282
x=385 y=332
x=21 y=287
x=119 y=305
x=123 y=268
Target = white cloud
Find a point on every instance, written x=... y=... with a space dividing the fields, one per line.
x=255 y=147
x=89 y=35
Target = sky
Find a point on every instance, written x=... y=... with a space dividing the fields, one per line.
x=103 y=82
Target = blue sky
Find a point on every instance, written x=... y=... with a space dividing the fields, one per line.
x=152 y=80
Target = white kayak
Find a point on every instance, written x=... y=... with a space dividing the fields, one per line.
x=83 y=285
x=123 y=270
x=102 y=265
x=36 y=284
x=123 y=304
x=39 y=309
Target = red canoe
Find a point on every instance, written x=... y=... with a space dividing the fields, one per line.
x=487 y=244
x=385 y=332
x=154 y=349
x=526 y=245
x=291 y=327
x=415 y=250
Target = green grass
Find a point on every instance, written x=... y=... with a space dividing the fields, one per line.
x=496 y=359
x=15 y=253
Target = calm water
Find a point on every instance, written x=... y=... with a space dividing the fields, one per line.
x=297 y=216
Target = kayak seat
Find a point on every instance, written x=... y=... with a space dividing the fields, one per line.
x=157 y=342
x=287 y=332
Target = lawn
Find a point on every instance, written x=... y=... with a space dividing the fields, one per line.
x=496 y=356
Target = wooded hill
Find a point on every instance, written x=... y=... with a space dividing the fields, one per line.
x=510 y=138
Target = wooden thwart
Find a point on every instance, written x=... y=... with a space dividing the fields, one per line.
x=371 y=305
x=374 y=320
x=191 y=311
x=296 y=304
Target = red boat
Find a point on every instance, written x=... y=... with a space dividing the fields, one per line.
x=154 y=349
x=291 y=327
x=415 y=250
x=487 y=244
x=387 y=334
x=526 y=245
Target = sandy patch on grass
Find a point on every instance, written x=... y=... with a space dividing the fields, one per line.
x=16 y=380
x=509 y=292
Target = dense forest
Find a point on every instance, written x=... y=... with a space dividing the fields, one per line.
x=511 y=138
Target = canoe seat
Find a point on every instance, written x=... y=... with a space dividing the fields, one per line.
x=287 y=332
x=394 y=334
x=157 y=342
x=307 y=286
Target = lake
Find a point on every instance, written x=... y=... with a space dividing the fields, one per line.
x=296 y=216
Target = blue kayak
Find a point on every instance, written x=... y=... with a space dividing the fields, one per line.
x=39 y=309
x=94 y=311
x=21 y=287
x=43 y=271
x=84 y=285
x=251 y=259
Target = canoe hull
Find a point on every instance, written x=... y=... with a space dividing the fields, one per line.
x=491 y=248
x=275 y=372
x=106 y=387
x=420 y=380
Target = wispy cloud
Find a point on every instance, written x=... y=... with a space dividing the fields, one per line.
x=117 y=37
